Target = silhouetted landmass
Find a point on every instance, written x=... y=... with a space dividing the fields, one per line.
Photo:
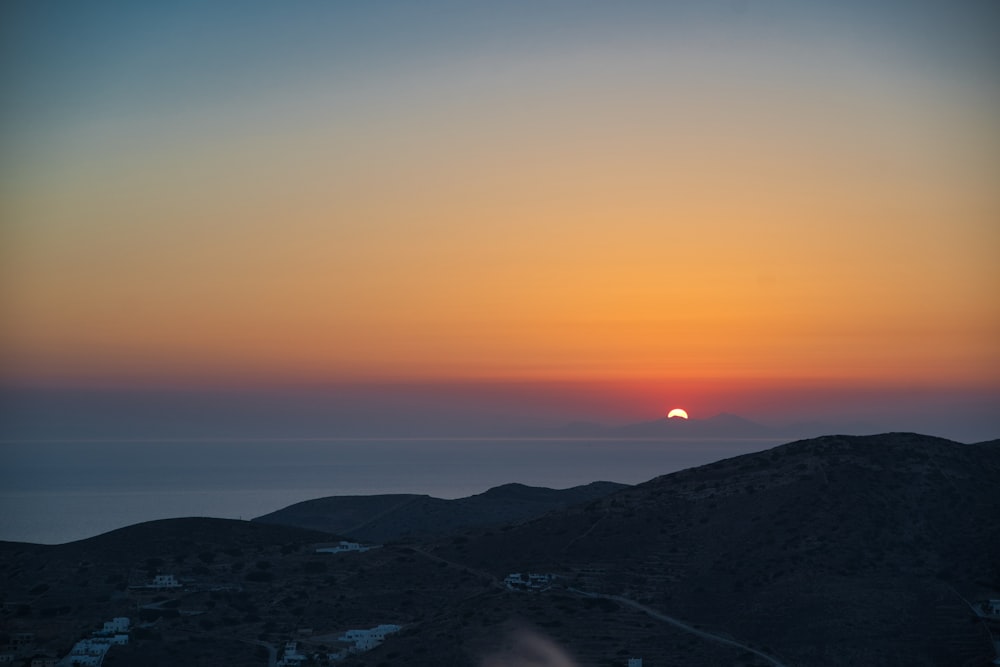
x=386 y=518
x=833 y=551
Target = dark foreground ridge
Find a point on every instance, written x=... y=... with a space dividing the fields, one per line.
x=838 y=550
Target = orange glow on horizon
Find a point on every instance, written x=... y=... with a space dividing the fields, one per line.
x=552 y=218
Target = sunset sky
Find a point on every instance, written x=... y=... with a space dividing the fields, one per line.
x=573 y=209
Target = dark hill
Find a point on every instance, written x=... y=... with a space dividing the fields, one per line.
x=175 y=537
x=833 y=551
x=357 y=517
x=829 y=551
x=244 y=587
x=386 y=518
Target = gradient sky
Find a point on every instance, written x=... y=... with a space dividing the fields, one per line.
x=673 y=201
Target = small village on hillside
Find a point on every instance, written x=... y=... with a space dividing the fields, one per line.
x=148 y=595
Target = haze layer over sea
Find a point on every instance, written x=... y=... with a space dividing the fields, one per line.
x=58 y=491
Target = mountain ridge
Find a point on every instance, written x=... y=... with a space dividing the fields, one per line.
x=863 y=550
x=385 y=518
x=875 y=529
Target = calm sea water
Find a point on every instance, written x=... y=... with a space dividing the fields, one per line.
x=54 y=492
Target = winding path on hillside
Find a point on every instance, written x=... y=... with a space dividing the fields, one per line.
x=680 y=624
x=272 y=650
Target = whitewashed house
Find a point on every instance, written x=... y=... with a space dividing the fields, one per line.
x=540 y=580
x=514 y=579
x=165 y=581
x=365 y=640
x=291 y=656
x=343 y=547
x=88 y=652
x=531 y=581
x=91 y=652
x=117 y=625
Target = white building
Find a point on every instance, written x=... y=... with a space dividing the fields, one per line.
x=365 y=640
x=165 y=581
x=514 y=579
x=116 y=625
x=532 y=581
x=92 y=646
x=539 y=580
x=291 y=656
x=343 y=547
x=88 y=652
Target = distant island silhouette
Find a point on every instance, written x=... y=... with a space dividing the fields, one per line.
x=722 y=425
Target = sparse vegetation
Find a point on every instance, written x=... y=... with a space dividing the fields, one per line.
x=881 y=543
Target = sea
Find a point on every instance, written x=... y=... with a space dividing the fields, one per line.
x=53 y=492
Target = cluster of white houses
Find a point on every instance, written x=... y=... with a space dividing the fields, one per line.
x=90 y=652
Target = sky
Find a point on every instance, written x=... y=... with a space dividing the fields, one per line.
x=493 y=212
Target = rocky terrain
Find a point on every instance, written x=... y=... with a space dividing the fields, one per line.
x=831 y=551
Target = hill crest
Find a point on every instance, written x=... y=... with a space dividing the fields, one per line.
x=385 y=518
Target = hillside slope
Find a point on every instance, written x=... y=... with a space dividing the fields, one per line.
x=828 y=551
x=832 y=551
x=385 y=518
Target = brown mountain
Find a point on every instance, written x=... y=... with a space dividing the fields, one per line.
x=385 y=518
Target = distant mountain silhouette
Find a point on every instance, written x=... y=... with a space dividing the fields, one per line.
x=383 y=518
x=723 y=425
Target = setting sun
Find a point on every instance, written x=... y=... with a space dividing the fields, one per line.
x=677 y=412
